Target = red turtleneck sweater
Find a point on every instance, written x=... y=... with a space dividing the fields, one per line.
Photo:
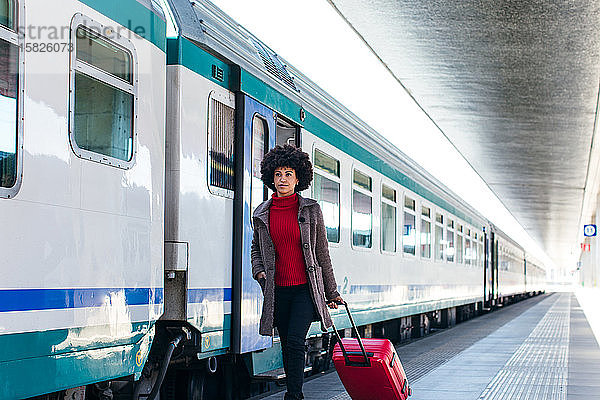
x=290 y=268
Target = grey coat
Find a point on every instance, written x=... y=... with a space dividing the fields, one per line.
x=316 y=256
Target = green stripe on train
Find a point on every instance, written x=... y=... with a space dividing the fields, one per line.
x=379 y=314
x=181 y=51
x=27 y=377
x=59 y=341
x=135 y=17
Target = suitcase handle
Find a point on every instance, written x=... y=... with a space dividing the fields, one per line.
x=363 y=352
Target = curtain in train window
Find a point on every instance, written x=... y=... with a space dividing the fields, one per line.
x=9 y=82
x=439 y=243
x=361 y=220
x=327 y=193
x=425 y=238
x=450 y=241
x=388 y=227
x=221 y=136
x=459 y=248
x=103 y=107
x=468 y=251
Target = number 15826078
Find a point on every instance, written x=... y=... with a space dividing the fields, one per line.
x=54 y=47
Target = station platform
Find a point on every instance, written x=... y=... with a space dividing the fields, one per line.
x=539 y=348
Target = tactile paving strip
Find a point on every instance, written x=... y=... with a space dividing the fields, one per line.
x=539 y=367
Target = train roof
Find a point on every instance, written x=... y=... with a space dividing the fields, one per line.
x=211 y=29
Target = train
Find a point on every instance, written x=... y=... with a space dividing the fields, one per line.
x=129 y=170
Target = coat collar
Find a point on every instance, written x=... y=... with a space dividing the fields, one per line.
x=262 y=211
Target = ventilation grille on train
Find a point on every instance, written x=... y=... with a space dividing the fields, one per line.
x=221 y=147
x=273 y=65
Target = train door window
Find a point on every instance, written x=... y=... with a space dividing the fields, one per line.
x=440 y=243
x=221 y=177
x=103 y=94
x=10 y=132
x=409 y=233
x=388 y=219
x=259 y=141
x=287 y=133
x=450 y=240
x=425 y=232
x=468 y=248
x=459 y=243
x=362 y=214
x=326 y=190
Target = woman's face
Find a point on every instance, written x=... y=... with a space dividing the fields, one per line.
x=285 y=181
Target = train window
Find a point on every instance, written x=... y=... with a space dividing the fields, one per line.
x=388 y=193
x=409 y=234
x=388 y=219
x=260 y=132
x=459 y=243
x=221 y=145
x=409 y=203
x=327 y=193
x=7 y=14
x=362 y=180
x=100 y=53
x=468 y=250
x=361 y=219
x=425 y=232
x=103 y=90
x=426 y=211
x=10 y=139
x=326 y=163
x=440 y=243
x=326 y=190
x=450 y=241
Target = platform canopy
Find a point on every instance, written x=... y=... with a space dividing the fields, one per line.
x=514 y=85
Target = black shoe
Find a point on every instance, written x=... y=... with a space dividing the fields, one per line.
x=290 y=396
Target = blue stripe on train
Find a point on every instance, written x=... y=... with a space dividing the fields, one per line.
x=210 y=294
x=50 y=299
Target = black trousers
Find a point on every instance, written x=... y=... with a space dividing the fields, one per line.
x=294 y=312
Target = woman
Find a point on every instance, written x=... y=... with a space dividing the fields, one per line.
x=290 y=260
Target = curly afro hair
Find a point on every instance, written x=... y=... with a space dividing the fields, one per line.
x=290 y=157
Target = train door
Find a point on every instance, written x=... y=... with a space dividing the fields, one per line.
x=487 y=271
x=255 y=134
x=494 y=275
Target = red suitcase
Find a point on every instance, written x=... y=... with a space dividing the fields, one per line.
x=369 y=368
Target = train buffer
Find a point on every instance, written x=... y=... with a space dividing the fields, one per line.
x=540 y=348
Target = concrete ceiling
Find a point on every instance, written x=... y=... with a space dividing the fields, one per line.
x=513 y=84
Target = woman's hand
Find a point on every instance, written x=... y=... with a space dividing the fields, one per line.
x=333 y=303
x=261 y=275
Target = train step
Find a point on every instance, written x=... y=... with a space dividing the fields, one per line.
x=276 y=374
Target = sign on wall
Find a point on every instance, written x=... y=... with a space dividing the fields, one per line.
x=589 y=230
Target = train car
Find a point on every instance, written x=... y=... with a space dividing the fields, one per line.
x=81 y=196
x=148 y=189
x=535 y=275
